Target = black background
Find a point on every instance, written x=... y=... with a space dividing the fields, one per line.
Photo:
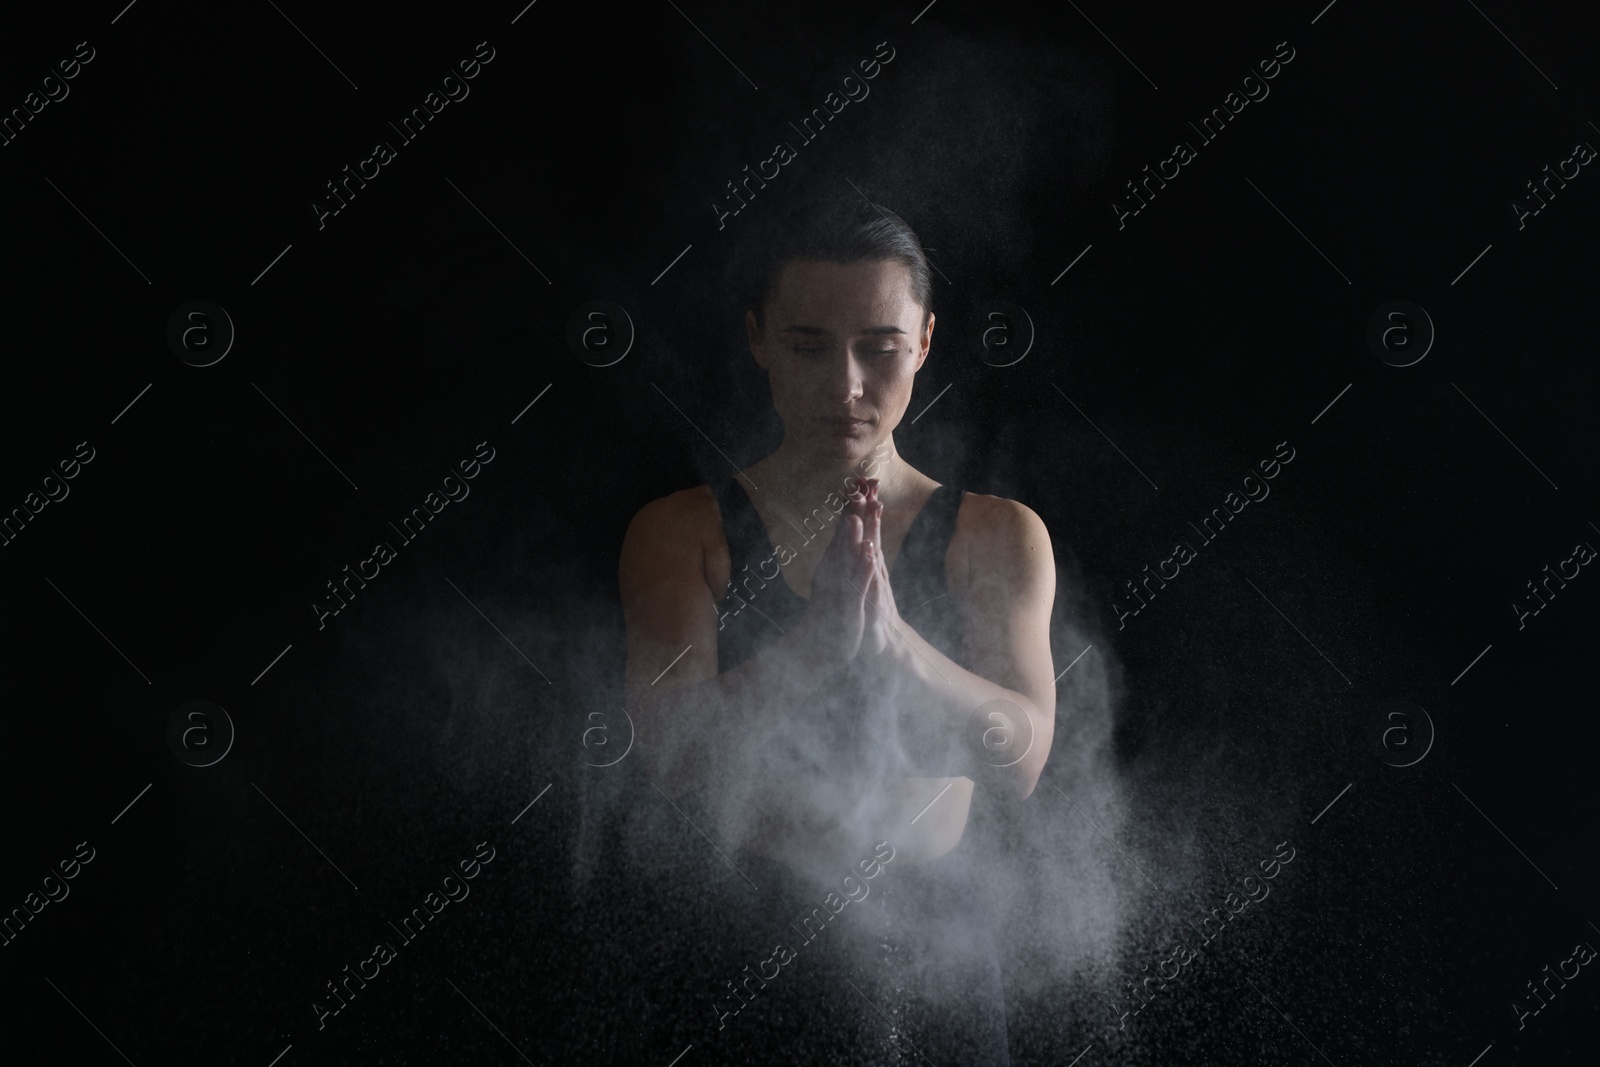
x=408 y=329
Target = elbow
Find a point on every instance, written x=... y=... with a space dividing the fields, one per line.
x=1024 y=780
x=1026 y=772
x=1011 y=785
x=1014 y=780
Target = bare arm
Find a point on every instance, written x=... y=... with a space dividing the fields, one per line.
x=1006 y=641
x=691 y=720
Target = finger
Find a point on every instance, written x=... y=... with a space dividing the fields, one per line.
x=882 y=610
x=875 y=616
x=886 y=598
x=860 y=546
x=867 y=571
x=846 y=539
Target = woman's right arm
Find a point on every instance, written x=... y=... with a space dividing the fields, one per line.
x=690 y=720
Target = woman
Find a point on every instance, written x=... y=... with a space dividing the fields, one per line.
x=833 y=651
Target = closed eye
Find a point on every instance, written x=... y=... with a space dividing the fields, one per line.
x=812 y=350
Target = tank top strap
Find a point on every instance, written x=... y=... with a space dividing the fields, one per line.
x=921 y=592
x=927 y=542
x=741 y=523
x=757 y=606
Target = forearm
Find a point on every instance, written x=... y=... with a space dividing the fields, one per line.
x=688 y=733
x=955 y=722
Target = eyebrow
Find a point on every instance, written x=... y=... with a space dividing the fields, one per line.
x=817 y=331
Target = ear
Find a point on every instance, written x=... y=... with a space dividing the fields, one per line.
x=925 y=342
x=757 y=345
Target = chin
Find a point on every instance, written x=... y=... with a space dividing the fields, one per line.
x=850 y=445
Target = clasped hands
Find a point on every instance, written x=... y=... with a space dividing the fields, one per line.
x=883 y=630
x=852 y=601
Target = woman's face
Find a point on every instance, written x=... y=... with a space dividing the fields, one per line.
x=841 y=346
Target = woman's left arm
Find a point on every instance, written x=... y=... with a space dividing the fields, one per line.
x=1005 y=609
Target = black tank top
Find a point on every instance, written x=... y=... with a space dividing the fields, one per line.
x=759 y=606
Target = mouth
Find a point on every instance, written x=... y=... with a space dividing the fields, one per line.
x=845 y=426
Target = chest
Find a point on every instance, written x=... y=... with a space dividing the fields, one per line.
x=804 y=547
x=793 y=549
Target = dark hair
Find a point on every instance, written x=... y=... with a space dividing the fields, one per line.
x=830 y=231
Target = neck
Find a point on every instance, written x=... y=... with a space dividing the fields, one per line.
x=803 y=479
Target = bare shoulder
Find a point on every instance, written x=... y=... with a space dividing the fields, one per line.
x=998 y=524
x=675 y=534
x=685 y=509
x=663 y=581
x=999 y=539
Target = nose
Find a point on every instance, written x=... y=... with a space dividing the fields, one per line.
x=849 y=385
